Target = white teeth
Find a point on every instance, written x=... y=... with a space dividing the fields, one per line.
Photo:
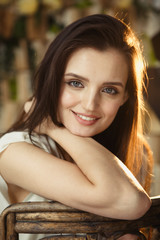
x=86 y=118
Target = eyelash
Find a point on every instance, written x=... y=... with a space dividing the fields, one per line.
x=112 y=91
x=72 y=84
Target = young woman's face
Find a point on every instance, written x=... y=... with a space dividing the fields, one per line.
x=93 y=89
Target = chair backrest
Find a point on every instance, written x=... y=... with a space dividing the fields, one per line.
x=55 y=218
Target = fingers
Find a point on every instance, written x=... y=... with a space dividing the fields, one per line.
x=128 y=237
x=29 y=105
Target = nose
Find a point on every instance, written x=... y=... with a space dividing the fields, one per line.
x=90 y=100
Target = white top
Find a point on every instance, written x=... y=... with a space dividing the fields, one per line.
x=41 y=142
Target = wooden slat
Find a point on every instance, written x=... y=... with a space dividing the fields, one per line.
x=73 y=237
x=53 y=218
x=59 y=227
x=11 y=233
x=88 y=227
x=64 y=238
x=60 y=216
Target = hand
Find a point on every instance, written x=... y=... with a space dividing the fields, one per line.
x=128 y=237
x=29 y=105
x=46 y=125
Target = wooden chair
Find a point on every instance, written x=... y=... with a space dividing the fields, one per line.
x=55 y=218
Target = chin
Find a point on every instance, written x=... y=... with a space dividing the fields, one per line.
x=82 y=134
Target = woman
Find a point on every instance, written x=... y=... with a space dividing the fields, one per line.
x=87 y=109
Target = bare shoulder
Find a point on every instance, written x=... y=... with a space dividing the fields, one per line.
x=21 y=159
x=31 y=168
x=17 y=149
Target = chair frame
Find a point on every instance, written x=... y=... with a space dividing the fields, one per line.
x=54 y=218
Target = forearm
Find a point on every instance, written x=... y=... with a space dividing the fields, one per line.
x=97 y=163
x=109 y=187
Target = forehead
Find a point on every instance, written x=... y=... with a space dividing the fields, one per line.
x=87 y=52
x=92 y=63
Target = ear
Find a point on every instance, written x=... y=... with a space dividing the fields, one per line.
x=125 y=97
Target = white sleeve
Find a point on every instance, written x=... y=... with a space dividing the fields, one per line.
x=38 y=140
x=13 y=137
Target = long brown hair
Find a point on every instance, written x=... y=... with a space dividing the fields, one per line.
x=125 y=135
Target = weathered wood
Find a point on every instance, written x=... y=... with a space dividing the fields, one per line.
x=59 y=216
x=53 y=218
x=64 y=238
x=10 y=231
x=0 y=227
x=72 y=237
x=68 y=227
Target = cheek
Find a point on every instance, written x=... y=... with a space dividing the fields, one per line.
x=66 y=99
x=112 y=108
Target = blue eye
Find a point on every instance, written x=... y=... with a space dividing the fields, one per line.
x=110 y=91
x=75 y=84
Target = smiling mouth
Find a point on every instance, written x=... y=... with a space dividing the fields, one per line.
x=86 y=118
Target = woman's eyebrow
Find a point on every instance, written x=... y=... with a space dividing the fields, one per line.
x=115 y=83
x=76 y=76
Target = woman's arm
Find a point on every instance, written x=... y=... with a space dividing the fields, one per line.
x=98 y=182
x=113 y=185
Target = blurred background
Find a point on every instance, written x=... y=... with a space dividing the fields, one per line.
x=28 y=26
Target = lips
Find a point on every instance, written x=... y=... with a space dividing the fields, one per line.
x=86 y=118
